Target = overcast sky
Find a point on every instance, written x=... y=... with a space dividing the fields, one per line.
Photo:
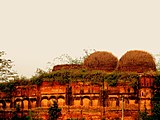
x=34 y=32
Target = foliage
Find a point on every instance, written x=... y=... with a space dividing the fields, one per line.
x=54 y=111
x=158 y=61
x=113 y=78
x=88 y=76
x=37 y=79
x=6 y=72
x=157 y=80
x=156 y=112
x=158 y=65
x=8 y=88
x=68 y=76
x=15 y=113
x=143 y=115
x=67 y=59
x=156 y=99
x=17 y=107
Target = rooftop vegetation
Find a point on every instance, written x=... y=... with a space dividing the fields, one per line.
x=74 y=75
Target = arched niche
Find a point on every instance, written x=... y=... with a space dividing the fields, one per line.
x=77 y=102
x=61 y=101
x=25 y=104
x=8 y=104
x=51 y=101
x=112 y=102
x=52 y=97
x=95 y=102
x=44 y=102
x=126 y=102
x=18 y=102
x=2 y=104
x=86 y=101
x=33 y=103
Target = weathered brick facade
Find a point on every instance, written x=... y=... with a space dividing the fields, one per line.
x=81 y=99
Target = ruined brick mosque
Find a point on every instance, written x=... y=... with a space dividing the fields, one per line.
x=84 y=99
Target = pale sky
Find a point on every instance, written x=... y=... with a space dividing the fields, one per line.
x=34 y=32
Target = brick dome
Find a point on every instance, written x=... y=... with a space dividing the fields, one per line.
x=101 y=60
x=136 y=61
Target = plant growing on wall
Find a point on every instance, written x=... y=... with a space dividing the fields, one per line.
x=15 y=113
x=37 y=78
x=54 y=112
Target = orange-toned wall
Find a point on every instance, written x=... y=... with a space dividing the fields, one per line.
x=86 y=99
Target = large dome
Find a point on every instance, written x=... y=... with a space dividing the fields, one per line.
x=136 y=61
x=101 y=60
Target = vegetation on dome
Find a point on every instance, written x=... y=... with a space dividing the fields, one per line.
x=101 y=60
x=136 y=61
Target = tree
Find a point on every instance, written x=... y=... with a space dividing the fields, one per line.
x=143 y=115
x=6 y=72
x=157 y=58
x=54 y=111
x=156 y=112
x=67 y=59
x=15 y=113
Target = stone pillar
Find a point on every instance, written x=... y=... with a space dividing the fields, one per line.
x=38 y=102
x=29 y=104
